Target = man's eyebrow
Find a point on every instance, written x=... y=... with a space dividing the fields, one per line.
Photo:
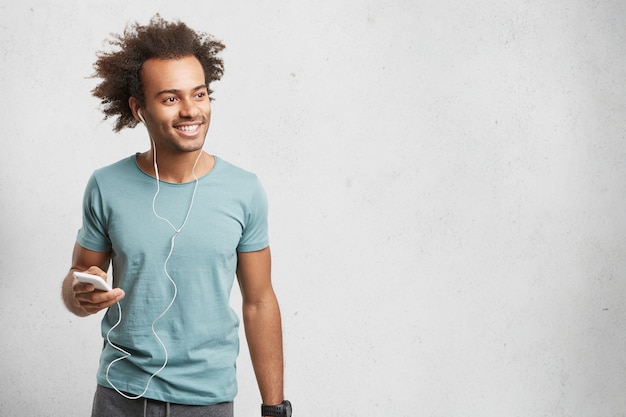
x=176 y=91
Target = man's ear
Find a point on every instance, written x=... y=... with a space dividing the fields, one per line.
x=135 y=107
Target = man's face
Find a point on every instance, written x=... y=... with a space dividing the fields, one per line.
x=177 y=106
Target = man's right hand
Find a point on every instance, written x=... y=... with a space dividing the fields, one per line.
x=91 y=300
x=83 y=299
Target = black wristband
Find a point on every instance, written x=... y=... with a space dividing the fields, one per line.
x=280 y=410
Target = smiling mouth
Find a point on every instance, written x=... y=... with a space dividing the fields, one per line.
x=188 y=128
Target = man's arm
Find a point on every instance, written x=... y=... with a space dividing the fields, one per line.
x=262 y=323
x=82 y=299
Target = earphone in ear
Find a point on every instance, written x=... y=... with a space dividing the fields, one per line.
x=141 y=117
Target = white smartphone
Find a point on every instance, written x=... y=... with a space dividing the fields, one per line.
x=95 y=280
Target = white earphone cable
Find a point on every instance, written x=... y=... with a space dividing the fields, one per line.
x=172 y=243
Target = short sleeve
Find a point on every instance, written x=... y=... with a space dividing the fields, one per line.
x=93 y=233
x=255 y=234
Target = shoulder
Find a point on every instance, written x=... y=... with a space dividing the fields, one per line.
x=125 y=165
x=123 y=172
x=225 y=167
x=238 y=184
x=228 y=172
x=119 y=177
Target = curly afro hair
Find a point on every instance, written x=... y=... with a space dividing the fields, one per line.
x=121 y=70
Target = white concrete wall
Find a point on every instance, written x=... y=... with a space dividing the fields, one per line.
x=446 y=178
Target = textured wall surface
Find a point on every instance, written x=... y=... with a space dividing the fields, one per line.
x=446 y=179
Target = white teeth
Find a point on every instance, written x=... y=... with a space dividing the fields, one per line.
x=188 y=128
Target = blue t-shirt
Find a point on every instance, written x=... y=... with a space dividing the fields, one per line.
x=200 y=330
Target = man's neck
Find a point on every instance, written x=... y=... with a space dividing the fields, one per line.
x=177 y=168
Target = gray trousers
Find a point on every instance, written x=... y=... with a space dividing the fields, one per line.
x=108 y=403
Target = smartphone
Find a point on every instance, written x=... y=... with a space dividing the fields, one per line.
x=95 y=280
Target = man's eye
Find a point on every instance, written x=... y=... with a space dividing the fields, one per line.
x=201 y=94
x=169 y=100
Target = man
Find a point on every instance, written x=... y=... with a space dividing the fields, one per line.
x=176 y=224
